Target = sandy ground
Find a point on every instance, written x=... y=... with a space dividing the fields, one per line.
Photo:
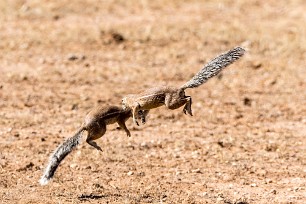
x=245 y=143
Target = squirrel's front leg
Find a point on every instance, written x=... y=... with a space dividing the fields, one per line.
x=135 y=112
x=143 y=114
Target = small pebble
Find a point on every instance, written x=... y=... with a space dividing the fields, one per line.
x=72 y=57
x=273 y=191
x=73 y=165
x=178 y=173
x=196 y=170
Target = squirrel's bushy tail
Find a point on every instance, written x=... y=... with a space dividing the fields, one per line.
x=59 y=154
x=212 y=68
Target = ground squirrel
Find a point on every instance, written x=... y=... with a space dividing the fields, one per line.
x=174 y=97
x=95 y=124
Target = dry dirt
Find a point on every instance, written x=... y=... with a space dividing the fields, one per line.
x=245 y=143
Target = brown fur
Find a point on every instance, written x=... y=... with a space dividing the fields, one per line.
x=95 y=124
x=173 y=97
x=98 y=118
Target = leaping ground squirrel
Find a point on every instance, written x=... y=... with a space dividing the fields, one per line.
x=174 y=97
x=95 y=124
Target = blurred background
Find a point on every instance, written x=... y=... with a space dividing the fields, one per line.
x=246 y=141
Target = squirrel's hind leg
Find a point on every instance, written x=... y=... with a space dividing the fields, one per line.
x=175 y=101
x=187 y=107
x=95 y=133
